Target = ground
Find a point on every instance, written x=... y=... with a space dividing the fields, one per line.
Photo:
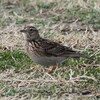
x=73 y=23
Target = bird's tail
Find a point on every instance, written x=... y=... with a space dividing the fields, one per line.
x=78 y=55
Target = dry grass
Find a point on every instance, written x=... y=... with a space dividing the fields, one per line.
x=59 y=21
x=26 y=86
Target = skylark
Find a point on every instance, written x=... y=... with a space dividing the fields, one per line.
x=46 y=52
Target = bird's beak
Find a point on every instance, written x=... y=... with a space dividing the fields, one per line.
x=23 y=30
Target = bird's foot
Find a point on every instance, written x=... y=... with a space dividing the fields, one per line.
x=52 y=70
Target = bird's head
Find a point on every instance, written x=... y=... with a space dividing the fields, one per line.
x=30 y=33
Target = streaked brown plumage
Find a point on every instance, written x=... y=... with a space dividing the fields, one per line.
x=46 y=52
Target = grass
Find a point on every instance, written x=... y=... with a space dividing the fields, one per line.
x=19 y=62
x=69 y=22
x=15 y=59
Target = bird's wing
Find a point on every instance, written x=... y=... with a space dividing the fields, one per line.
x=50 y=48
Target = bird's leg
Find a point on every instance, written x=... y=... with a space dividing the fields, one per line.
x=52 y=70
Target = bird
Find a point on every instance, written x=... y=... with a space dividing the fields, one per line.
x=46 y=52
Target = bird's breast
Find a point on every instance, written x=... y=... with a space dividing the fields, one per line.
x=47 y=61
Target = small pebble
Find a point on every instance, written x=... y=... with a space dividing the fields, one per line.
x=86 y=92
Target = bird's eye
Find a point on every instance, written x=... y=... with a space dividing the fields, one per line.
x=31 y=29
